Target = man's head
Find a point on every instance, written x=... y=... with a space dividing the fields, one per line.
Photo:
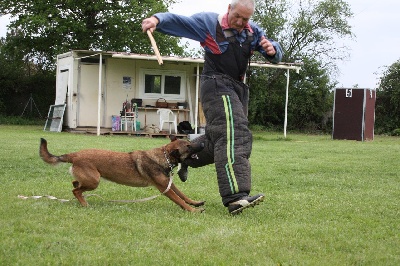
x=239 y=13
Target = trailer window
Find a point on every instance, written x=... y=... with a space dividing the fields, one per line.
x=152 y=84
x=162 y=84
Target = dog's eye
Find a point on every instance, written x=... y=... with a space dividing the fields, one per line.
x=175 y=153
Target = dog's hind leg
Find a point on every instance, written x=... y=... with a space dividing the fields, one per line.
x=86 y=179
x=78 y=194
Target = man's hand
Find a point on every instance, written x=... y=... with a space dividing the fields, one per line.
x=267 y=46
x=149 y=24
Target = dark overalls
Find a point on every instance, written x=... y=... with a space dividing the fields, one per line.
x=224 y=97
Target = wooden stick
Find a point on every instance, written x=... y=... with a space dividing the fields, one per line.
x=154 y=45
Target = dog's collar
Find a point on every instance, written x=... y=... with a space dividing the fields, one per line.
x=171 y=166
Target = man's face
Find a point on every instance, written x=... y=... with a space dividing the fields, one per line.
x=239 y=16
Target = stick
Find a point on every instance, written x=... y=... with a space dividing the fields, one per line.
x=154 y=45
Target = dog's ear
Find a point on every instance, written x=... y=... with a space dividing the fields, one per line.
x=172 y=138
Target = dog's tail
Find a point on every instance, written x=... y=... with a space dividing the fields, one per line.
x=47 y=156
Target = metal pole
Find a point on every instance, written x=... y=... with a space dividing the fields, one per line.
x=196 y=112
x=31 y=100
x=286 y=103
x=189 y=100
x=99 y=95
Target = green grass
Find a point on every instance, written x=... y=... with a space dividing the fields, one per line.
x=328 y=202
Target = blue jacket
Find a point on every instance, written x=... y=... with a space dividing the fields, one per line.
x=202 y=27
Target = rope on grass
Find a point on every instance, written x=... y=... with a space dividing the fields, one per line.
x=39 y=197
x=90 y=195
x=86 y=196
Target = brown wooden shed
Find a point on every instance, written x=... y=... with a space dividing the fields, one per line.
x=354 y=114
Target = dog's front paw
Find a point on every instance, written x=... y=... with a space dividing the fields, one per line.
x=197 y=203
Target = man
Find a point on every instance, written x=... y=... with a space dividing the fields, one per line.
x=229 y=41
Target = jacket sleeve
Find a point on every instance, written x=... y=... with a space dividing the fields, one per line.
x=195 y=27
x=258 y=32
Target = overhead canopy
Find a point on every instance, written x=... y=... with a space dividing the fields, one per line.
x=291 y=66
x=198 y=61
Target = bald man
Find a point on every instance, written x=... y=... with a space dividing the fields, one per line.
x=228 y=40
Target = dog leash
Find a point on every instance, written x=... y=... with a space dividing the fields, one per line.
x=45 y=196
x=54 y=198
x=152 y=197
x=91 y=195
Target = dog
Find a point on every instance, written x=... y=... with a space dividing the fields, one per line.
x=136 y=169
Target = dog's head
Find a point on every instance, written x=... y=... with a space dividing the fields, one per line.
x=179 y=149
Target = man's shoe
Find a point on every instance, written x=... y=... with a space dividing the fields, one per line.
x=237 y=207
x=183 y=172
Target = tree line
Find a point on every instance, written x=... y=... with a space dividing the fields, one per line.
x=307 y=30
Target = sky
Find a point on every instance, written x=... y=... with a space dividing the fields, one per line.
x=375 y=46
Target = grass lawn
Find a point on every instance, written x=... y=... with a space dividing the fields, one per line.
x=328 y=202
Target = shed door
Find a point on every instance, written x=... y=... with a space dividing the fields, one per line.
x=88 y=95
x=62 y=85
x=369 y=119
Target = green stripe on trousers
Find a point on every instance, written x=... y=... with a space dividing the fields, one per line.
x=230 y=144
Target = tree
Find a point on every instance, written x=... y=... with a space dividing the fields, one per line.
x=44 y=28
x=311 y=32
x=41 y=29
x=388 y=100
x=311 y=98
x=9 y=75
x=19 y=80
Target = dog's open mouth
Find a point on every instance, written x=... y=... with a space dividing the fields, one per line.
x=194 y=156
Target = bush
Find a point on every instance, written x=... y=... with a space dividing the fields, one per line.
x=18 y=120
x=396 y=132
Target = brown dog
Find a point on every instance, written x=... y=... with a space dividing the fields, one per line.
x=136 y=168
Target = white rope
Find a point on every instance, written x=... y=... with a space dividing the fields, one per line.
x=45 y=196
x=152 y=197
x=90 y=195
